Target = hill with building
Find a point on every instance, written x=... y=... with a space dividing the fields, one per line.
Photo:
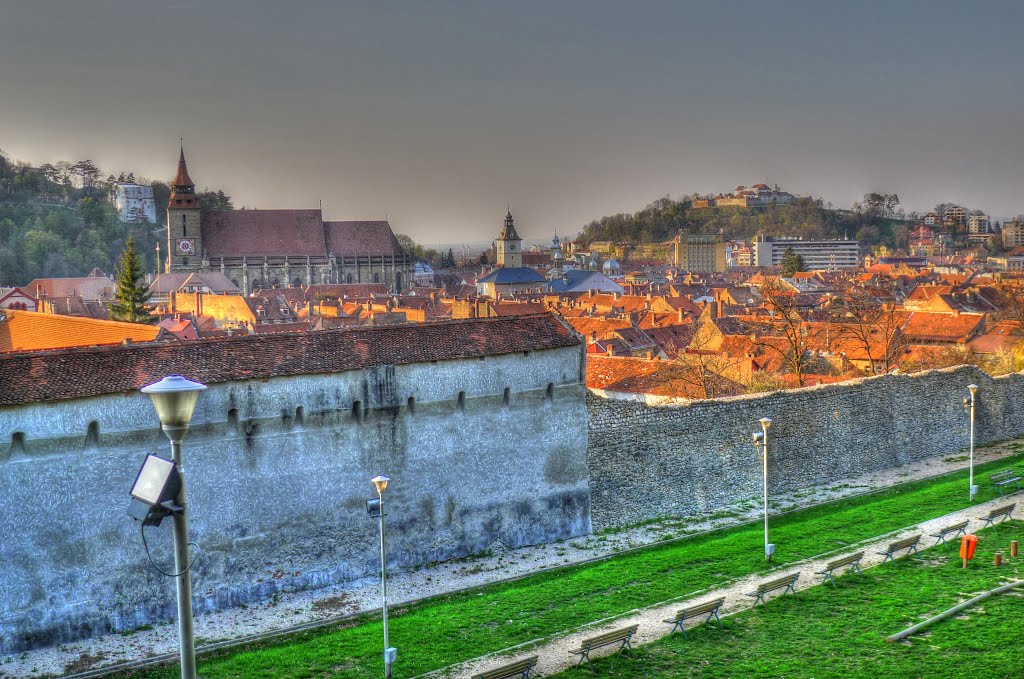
x=65 y=219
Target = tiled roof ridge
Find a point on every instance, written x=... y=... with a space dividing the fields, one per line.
x=60 y=318
x=56 y=375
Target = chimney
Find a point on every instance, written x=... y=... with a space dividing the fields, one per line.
x=199 y=303
x=593 y=335
x=174 y=301
x=682 y=315
x=617 y=295
x=611 y=350
x=719 y=310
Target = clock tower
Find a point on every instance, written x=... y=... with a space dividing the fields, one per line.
x=508 y=246
x=184 y=235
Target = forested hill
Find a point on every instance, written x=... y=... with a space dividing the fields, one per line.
x=805 y=217
x=59 y=220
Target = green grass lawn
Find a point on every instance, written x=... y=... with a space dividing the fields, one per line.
x=841 y=632
x=449 y=629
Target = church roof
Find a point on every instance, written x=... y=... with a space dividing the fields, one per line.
x=361 y=238
x=263 y=233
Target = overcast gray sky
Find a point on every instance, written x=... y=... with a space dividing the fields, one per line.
x=439 y=113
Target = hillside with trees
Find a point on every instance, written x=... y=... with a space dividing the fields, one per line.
x=59 y=220
x=876 y=221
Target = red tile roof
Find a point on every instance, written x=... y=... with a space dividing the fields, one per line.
x=259 y=233
x=60 y=375
x=33 y=331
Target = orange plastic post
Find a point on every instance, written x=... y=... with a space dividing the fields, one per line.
x=998 y=559
x=1013 y=548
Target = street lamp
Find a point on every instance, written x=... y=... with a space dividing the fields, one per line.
x=969 y=407
x=174 y=399
x=761 y=443
x=375 y=508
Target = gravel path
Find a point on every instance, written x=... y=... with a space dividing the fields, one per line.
x=292 y=608
x=554 y=655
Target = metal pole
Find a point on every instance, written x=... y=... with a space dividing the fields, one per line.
x=767 y=556
x=384 y=587
x=181 y=561
x=973 y=390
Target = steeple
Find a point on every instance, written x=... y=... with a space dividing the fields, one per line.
x=509 y=230
x=183 y=189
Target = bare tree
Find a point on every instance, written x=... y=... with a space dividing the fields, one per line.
x=872 y=320
x=785 y=333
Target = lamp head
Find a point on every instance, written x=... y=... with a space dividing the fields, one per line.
x=174 y=399
x=973 y=388
x=381 y=483
x=758 y=437
x=765 y=423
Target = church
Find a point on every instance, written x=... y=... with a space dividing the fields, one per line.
x=259 y=249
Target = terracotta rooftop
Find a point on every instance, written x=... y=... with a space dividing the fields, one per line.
x=61 y=375
x=32 y=331
x=362 y=238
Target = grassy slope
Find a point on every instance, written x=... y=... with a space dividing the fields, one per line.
x=841 y=632
x=449 y=629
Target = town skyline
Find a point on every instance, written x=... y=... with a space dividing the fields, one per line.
x=566 y=113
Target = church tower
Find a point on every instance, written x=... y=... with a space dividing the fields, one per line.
x=509 y=245
x=184 y=237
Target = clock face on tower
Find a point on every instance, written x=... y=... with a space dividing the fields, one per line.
x=185 y=247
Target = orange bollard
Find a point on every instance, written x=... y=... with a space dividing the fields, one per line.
x=998 y=560
x=968 y=543
x=1013 y=548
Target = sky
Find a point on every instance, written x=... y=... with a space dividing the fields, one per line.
x=438 y=115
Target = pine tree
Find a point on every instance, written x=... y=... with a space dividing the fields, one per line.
x=132 y=292
x=792 y=263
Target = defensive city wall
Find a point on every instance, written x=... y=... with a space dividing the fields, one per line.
x=484 y=426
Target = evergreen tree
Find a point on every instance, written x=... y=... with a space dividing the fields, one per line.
x=792 y=263
x=132 y=292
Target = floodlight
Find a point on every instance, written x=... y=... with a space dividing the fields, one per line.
x=373 y=508
x=156 y=486
x=758 y=437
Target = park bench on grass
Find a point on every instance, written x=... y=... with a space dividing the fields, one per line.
x=991 y=517
x=787 y=583
x=909 y=544
x=852 y=561
x=521 y=668
x=1006 y=478
x=709 y=608
x=957 y=529
x=619 y=636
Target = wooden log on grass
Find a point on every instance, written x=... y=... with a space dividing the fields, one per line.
x=953 y=611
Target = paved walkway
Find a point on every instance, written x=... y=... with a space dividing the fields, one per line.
x=555 y=656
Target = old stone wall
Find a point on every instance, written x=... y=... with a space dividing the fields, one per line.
x=482 y=452
x=649 y=461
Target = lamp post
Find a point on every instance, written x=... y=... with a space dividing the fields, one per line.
x=174 y=399
x=761 y=443
x=969 y=407
x=376 y=508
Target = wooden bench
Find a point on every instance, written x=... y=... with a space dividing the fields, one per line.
x=852 y=562
x=521 y=668
x=710 y=608
x=619 y=636
x=909 y=544
x=991 y=517
x=1005 y=478
x=787 y=583
x=957 y=529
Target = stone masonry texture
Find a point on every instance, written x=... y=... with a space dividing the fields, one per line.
x=648 y=462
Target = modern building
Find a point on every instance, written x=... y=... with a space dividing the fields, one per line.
x=135 y=203
x=1013 y=233
x=699 y=252
x=279 y=248
x=817 y=254
x=979 y=228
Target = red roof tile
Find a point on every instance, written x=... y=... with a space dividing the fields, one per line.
x=59 y=375
x=362 y=238
x=259 y=233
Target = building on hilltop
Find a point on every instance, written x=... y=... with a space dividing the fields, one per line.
x=817 y=254
x=269 y=248
x=699 y=252
x=511 y=276
x=135 y=203
x=757 y=195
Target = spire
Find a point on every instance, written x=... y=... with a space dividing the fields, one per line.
x=509 y=231
x=183 y=189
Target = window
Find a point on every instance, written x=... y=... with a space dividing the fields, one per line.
x=506 y=397
x=92 y=435
x=348 y=278
x=410 y=405
x=462 y=400
x=18 y=443
x=184 y=228
x=357 y=411
x=300 y=415
x=376 y=278
x=549 y=393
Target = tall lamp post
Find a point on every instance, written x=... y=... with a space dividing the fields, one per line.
x=375 y=508
x=969 y=407
x=761 y=443
x=174 y=399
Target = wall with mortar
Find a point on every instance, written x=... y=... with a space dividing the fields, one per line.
x=278 y=472
x=650 y=461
